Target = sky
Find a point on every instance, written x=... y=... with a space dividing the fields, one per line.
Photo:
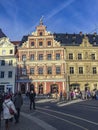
x=20 y=17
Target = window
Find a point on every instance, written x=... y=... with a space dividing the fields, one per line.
x=40 y=43
x=49 y=70
x=40 y=57
x=79 y=56
x=3 y=52
x=31 y=70
x=2 y=62
x=32 y=43
x=32 y=57
x=93 y=56
x=11 y=51
x=40 y=71
x=9 y=74
x=58 y=70
x=49 y=43
x=71 y=70
x=23 y=71
x=23 y=57
x=94 y=70
x=57 y=56
x=11 y=62
x=70 y=56
x=49 y=57
x=80 y=70
x=2 y=74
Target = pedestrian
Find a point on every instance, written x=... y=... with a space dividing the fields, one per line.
x=7 y=104
x=60 y=95
x=18 y=102
x=64 y=95
x=32 y=99
x=1 y=106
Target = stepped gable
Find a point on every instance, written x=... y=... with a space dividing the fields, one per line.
x=2 y=34
x=75 y=39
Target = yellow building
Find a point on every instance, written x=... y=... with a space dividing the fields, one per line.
x=7 y=64
x=82 y=63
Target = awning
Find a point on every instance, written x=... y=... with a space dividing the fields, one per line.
x=23 y=80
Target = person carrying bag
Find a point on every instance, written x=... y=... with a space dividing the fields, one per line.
x=7 y=104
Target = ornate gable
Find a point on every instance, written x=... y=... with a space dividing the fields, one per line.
x=25 y=44
x=56 y=43
x=85 y=42
x=4 y=42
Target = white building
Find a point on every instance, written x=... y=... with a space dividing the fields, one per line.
x=7 y=64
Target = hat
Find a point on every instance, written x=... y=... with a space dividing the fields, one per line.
x=7 y=97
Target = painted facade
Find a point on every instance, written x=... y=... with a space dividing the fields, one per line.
x=41 y=64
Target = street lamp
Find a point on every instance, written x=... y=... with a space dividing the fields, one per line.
x=67 y=82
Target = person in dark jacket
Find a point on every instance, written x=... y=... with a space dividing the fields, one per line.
x=32 y=99
x=18 y=101
x=1 y=106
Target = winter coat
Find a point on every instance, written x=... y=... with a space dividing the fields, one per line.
x=6 y=113
x=1 y=103
x=18 y=101
x=32 y=96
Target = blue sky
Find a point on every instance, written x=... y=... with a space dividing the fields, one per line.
x=20 y=17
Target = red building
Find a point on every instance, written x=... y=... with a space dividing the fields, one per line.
x=40 y=63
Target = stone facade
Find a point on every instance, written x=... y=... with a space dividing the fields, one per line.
x=82 y=65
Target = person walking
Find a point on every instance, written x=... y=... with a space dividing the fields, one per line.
x=7 y=104
x=32 y=99
x=1 y=106
x=18 y=102
x=61 y=96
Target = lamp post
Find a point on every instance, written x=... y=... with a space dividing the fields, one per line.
x=68 y=85
x=67 y=82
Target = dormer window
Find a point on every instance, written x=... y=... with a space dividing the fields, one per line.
x=94 y=42
x=66 y=36
x=41 y=34
x=94 y=37
x=74 y=36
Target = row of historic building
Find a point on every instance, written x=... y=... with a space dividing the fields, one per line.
x=49 y=63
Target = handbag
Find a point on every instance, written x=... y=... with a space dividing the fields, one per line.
x=11 y=111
